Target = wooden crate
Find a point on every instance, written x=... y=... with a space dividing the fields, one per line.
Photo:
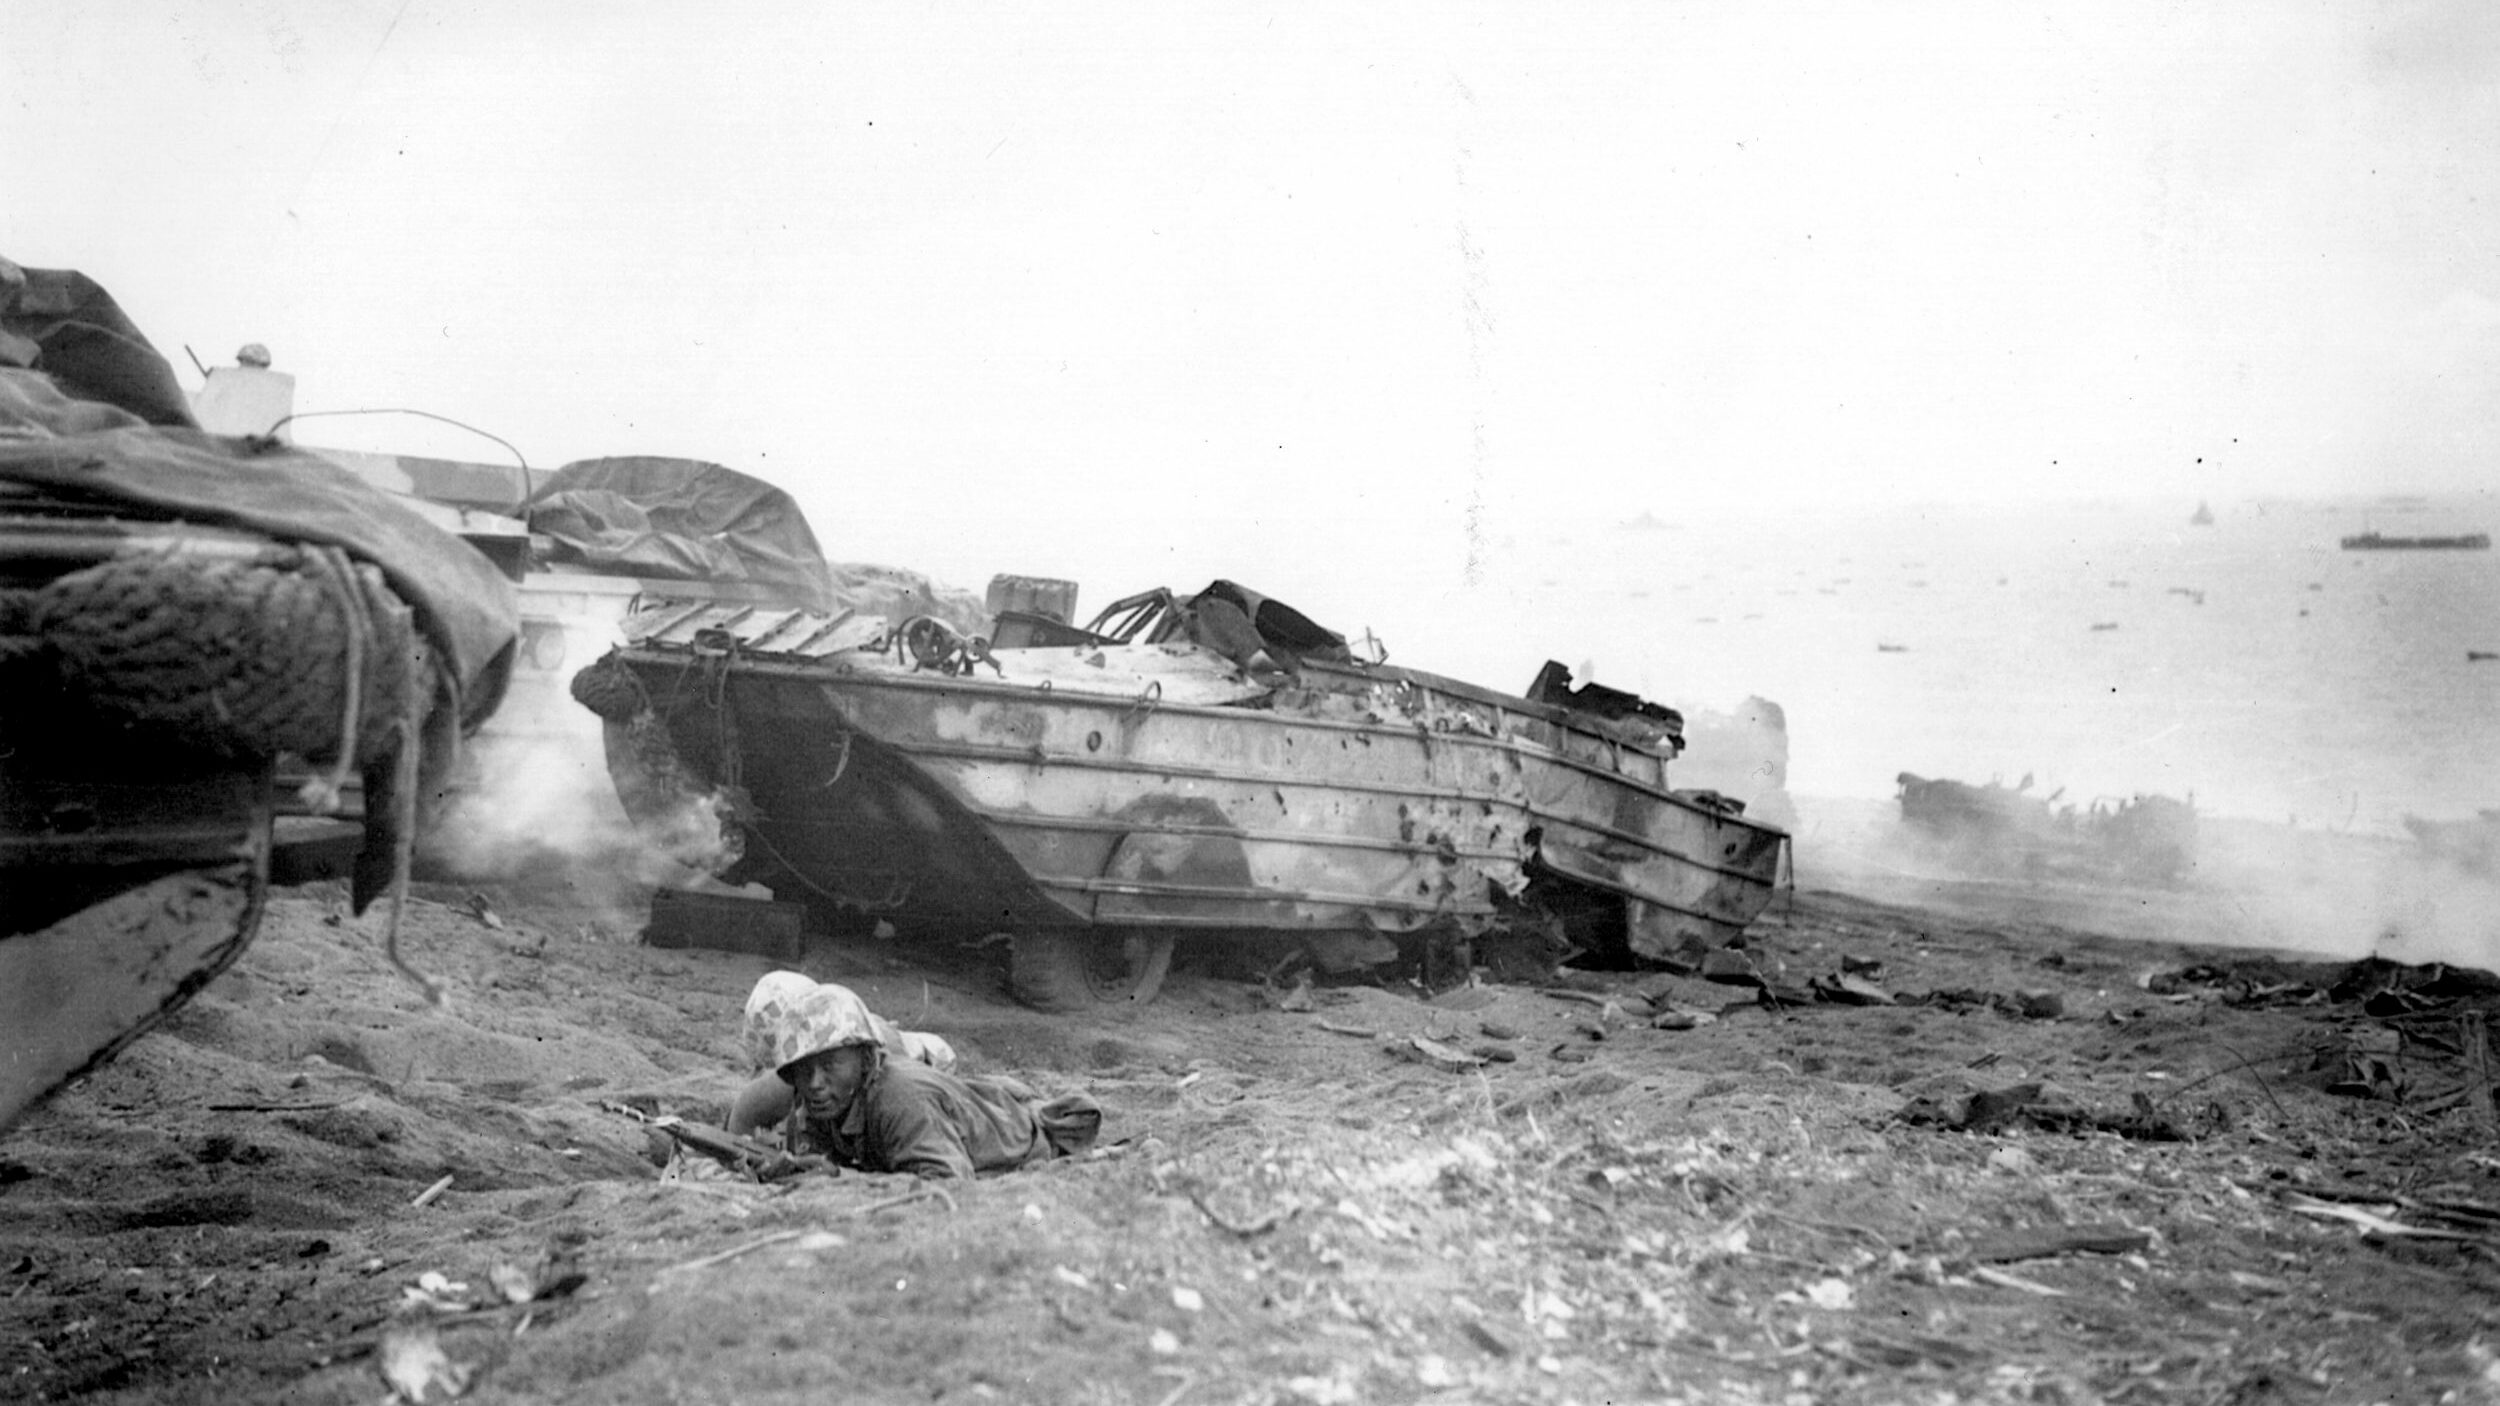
x=727 y=922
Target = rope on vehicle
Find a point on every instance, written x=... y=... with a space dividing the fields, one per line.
x=403 y=851
x=332 y=565
x=291 y=650
x=297 y=650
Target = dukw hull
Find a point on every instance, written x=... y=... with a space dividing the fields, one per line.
x=1122 y=789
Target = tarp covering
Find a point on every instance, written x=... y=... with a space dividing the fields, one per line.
x=134 y=454
x=682 y=520
x=898 y=594
x=63 y=324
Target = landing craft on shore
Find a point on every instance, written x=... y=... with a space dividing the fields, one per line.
x=1216 y=766
x=2005 y=829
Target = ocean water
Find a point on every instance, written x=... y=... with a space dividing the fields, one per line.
x=2305 y=698
x=2102 y=650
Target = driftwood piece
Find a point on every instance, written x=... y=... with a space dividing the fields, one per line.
x=2469 y=1214
x=2004 y=1280
x=1610 y=1005
x=1447 y=1058
x=2370 y=1222
x=2044 y=1243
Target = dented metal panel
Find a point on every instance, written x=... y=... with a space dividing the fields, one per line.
x=1162 y=785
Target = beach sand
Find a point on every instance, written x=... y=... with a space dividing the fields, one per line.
x=2090 y=1151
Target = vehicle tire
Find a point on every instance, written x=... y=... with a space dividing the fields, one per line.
x=1083 y=973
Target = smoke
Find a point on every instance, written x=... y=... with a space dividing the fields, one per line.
x=2317 y=894
x=2353 y=895
x=1743 y=753
x=534 y=806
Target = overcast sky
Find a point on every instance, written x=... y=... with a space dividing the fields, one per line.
x=977 y=280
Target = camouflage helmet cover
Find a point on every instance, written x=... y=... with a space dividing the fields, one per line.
x=790 y=1017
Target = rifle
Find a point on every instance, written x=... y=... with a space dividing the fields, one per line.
x=751 y=1160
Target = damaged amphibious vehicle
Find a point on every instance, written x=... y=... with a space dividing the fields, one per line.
x=2006 y=830
x=1214 y=767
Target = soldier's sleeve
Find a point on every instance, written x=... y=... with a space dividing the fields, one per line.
x=915 y=1135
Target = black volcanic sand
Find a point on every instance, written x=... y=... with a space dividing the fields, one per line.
x=2062 y=1165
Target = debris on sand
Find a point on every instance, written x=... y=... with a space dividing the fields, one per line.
x=415 y=1367
x=1743 y=1208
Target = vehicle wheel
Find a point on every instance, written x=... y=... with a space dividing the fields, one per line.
x=1089 y=973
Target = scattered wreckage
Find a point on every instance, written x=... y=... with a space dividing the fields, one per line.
x=1215 y=766
x=186 y=618
x=1999 y=829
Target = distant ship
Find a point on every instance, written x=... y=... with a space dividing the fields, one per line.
x=2203 y=517
x=2378 y=542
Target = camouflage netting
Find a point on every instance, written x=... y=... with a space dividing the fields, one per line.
x=263 y=602
x=244 y=657
x=609 y=689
